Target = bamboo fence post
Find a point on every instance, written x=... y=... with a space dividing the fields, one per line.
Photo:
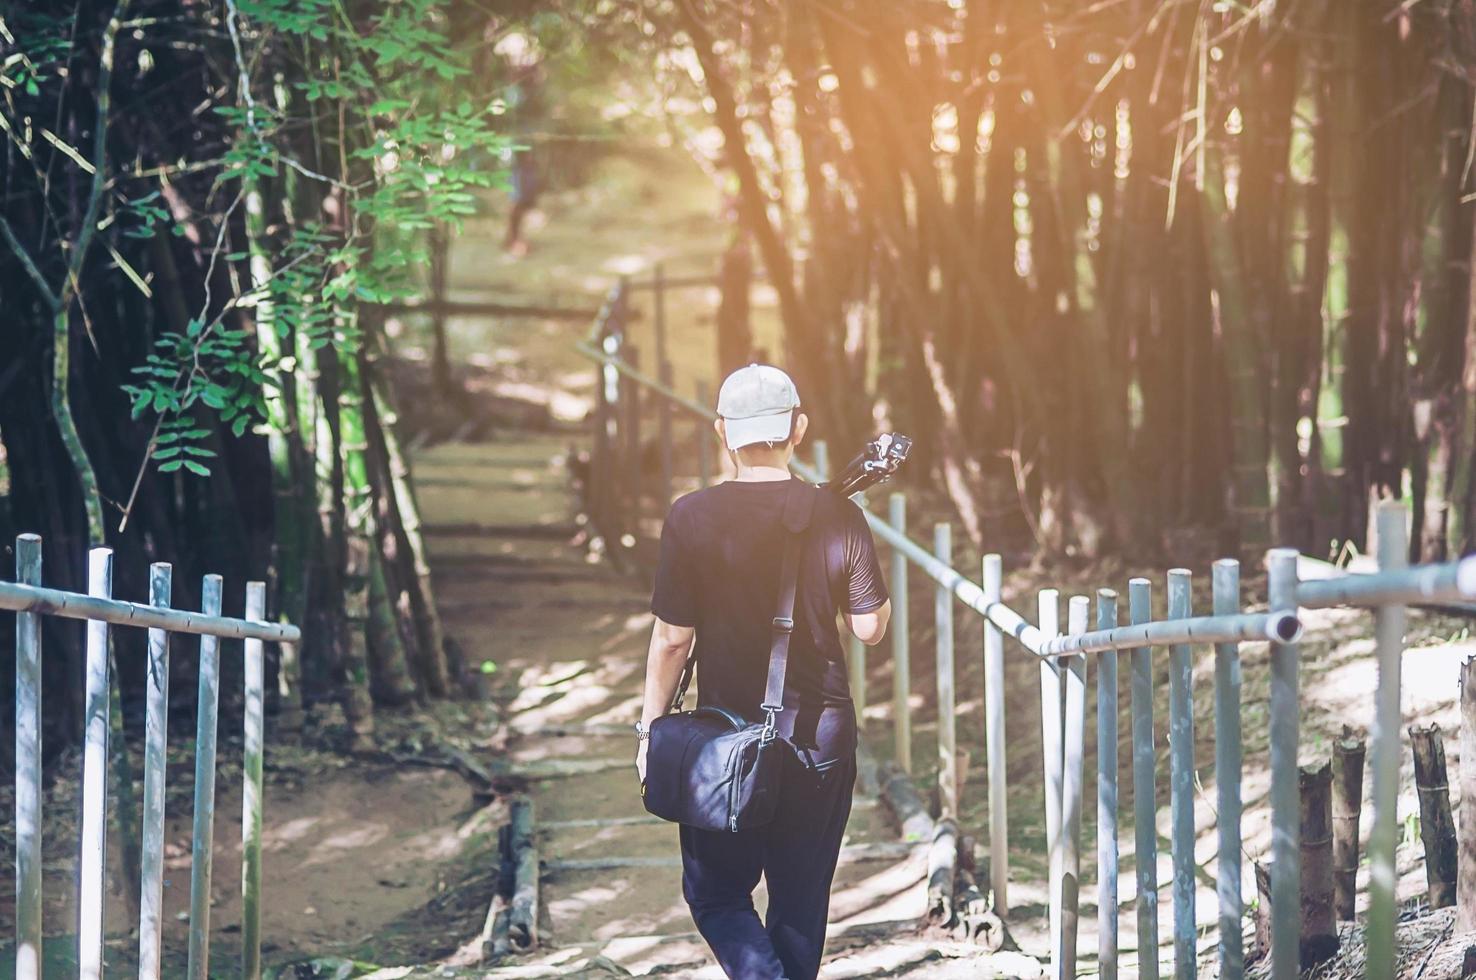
x=1286 y=874
x=1383 y=838
x=704 y=439
x=994 y=729
x=664 y=374
x=28 y=933
x=93 y=857
x=1228 y=760
x=1466 y=865
x=1319 y=925
x=1145 y=834
x=1348 y=753
x=901 y=641
x=632 y=448
x=597 y=487
x=1051 y=732
x=1437 y=830
x=947 y=732
x=156 y=736
x=1073 y=738
x=251 y=796
x=1107 y=792
x=1181 y=779
x=202 y=846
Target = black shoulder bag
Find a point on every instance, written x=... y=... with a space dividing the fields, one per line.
x=709 y=768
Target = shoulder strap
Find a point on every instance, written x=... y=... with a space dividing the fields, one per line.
x=799 y=503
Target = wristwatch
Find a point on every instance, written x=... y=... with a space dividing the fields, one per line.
x=642 y=732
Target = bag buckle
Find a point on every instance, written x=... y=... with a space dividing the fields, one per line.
x=784 y=624
x=767 y=735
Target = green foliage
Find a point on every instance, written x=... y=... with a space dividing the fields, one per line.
x=406 y=148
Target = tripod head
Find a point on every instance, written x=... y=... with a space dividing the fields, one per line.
x=882 y=457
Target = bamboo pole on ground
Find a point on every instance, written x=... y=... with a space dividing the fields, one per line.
x=1348 y=754
x=1437 y=830
x=1319 y=927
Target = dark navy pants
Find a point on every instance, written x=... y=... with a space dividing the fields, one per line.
x=796 y=854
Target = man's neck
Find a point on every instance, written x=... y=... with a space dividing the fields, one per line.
x=762 y=468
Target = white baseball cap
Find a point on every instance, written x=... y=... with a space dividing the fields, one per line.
x=756 y=404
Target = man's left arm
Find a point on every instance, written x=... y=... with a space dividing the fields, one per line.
x=665 y=658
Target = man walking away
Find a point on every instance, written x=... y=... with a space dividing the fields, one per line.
x=718 y=579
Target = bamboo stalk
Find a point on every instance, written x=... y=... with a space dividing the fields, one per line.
x=202 y=845
x=1145 y=855
x=947 y=730
x=1281 y=567
x=1466 y=859
x=1228 y=761
x=942 y=872
x=151 y=897
x=1107 y=793
x=994 y=719
x=1051 y=693
x=1073 y=745
x=1319 y=927
x=28 y=786
x=523 y=913
x=1437 y=830
x=252 y=802
x=1348 y=755
x=1389 y=621
x=93 y=857
x=1181 y=780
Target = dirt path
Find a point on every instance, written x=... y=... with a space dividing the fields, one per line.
x=568 y=639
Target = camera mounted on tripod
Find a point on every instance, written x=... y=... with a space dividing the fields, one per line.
x=876 y=463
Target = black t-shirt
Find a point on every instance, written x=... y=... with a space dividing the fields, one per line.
x=721 y=553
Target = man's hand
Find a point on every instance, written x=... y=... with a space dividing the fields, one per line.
x=641 y=759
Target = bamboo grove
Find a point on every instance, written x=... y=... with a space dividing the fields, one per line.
x=205 y=205
x=1136 y=271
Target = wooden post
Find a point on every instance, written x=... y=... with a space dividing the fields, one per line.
x=1437 y=831
x=523 y=844
x=631 y=395
x=1107 y=792
x=1181 y=779
x=947 y=737
x=1348 y=754
x=1318 y=924
x=1051 y=693
x=994 y=732
x=901 y=641
x=28 y=941
x=1466 y=872
x=202 y=845
x=156 y=736
x=1226 y=590
x=664 y=375
x=251 y=795
x=1073 y=750
x=1286 y=873
x=705 y=436
x=1384 y=836
x=93 y=857
x=1145 y=834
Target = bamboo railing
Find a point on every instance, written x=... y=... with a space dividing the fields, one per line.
x=614 y=502
x=30 y=601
